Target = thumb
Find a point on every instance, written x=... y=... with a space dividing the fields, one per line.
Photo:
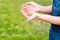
x=32 y=17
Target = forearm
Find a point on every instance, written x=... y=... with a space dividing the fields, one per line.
x=51 y=19
x=46 y=9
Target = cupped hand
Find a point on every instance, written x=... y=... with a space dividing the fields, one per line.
x=28 y=13
x=34 y=6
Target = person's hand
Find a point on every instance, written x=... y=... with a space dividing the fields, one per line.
x=34 y=6
x=28 y=13
x=25 y=13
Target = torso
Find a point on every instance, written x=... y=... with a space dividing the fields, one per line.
x=55 y=12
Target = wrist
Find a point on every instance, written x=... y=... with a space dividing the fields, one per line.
x=42 y=9
x=38 y=16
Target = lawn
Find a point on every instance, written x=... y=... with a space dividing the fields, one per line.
x=12 y=26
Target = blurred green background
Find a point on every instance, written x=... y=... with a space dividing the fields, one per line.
x=12 y=25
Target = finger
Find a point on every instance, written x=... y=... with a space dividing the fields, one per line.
x=29 y=4
x=25 y=10
x=32 y=17
x=33 y=7
x=24 y=13
x=33 y=4
x=28 y=10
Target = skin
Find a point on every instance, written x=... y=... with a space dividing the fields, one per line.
x=32 y=8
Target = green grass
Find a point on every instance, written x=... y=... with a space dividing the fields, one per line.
x=12 y=25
